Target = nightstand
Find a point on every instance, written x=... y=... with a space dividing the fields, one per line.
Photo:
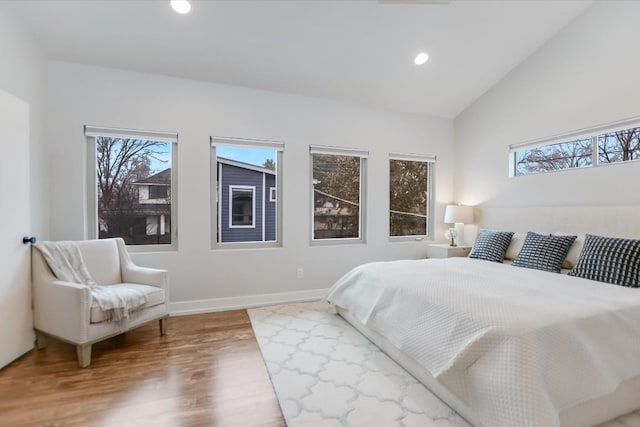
x=443 y=250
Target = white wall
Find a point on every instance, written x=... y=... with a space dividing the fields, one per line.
x=584 y=76
x=23 y=73
x=80 y=95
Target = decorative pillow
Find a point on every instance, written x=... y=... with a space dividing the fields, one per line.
x=609 y=260
x=491 y=245
x=574 y=252
x=514 y=247
x=543 y=252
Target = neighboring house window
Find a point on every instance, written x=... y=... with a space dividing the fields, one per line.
x=242 y=206
x=410 y=196
x=158 y=192
x=132 y=186
x=338 y=193
x=613 y=143
x=246 y=210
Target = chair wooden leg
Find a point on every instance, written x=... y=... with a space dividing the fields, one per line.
x=84 y=355
x=163 y=326
x=41 y=340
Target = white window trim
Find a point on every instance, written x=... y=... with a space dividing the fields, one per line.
x=151 y=135
x=431 y=163
x=272 y=194
x=247 y=143
x=91 y=215
x=216 y=212
x=339 y=151
x=426 y=158
x=591 y=132
x=253 y=205
x=264 y=207
x=217 y=207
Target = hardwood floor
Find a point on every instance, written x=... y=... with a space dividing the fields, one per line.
x=207 y=371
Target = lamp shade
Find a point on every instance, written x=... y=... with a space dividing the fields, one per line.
x=458 y=214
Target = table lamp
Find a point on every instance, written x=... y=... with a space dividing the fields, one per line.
x=458 y=215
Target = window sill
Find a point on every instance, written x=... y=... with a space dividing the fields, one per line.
x=417 y=239
x=240 y=246
x=337 y=242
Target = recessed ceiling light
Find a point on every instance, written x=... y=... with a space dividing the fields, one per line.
x=421 y=58
x=181 y=6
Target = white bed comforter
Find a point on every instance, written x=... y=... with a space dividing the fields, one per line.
x=516 y=345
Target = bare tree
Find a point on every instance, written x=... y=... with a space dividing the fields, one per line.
x=613 y=147
x=269 y=164
x=337 y=184
x=121 y=162
x=574 y=154
x=619 y=146
x=408 y=197
x=338 y=176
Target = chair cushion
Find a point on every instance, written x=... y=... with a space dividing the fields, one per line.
x=102 y=260
x=155 y=297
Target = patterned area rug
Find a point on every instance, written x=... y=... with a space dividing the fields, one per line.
x=326 y=374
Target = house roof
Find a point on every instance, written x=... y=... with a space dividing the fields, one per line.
x=164 y=177
x=244 y=165
x=160 y=178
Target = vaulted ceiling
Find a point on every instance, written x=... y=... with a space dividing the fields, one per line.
x=357 y=51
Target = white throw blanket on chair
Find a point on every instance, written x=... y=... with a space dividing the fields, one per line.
x=66 y=263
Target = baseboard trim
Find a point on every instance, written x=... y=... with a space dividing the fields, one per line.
x=183 y=308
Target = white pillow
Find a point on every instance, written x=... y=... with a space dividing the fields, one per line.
x=514 y=247
x=574 y=252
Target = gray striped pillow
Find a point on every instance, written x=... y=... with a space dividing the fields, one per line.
x=491 y=245
x=542 y=252
x=610 y=260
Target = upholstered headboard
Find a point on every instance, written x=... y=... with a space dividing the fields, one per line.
x=617 y=221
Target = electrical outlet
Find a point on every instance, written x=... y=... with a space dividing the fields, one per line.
x=299 y=273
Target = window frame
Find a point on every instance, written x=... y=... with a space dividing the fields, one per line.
x=253 y=205
x=593 y=133
x=362 y=223
x=216 y=186
x=430 y=160
x=91 y=205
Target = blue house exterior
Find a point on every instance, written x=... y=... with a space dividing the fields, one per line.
x=246 y=202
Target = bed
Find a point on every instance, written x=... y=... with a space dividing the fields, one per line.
x=502 y=345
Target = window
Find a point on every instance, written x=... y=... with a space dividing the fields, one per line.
x=246 y=209
x=337 y=186
x=613 y=143
x=242 y=206
x=619 y=146
x=409 y=194
x=565 y=155
x=158 y=192
x=131 y=177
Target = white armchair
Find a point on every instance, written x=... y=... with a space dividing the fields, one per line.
x=67 y=311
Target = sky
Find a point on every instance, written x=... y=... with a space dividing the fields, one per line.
x=163 y=160
x=254 y=156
